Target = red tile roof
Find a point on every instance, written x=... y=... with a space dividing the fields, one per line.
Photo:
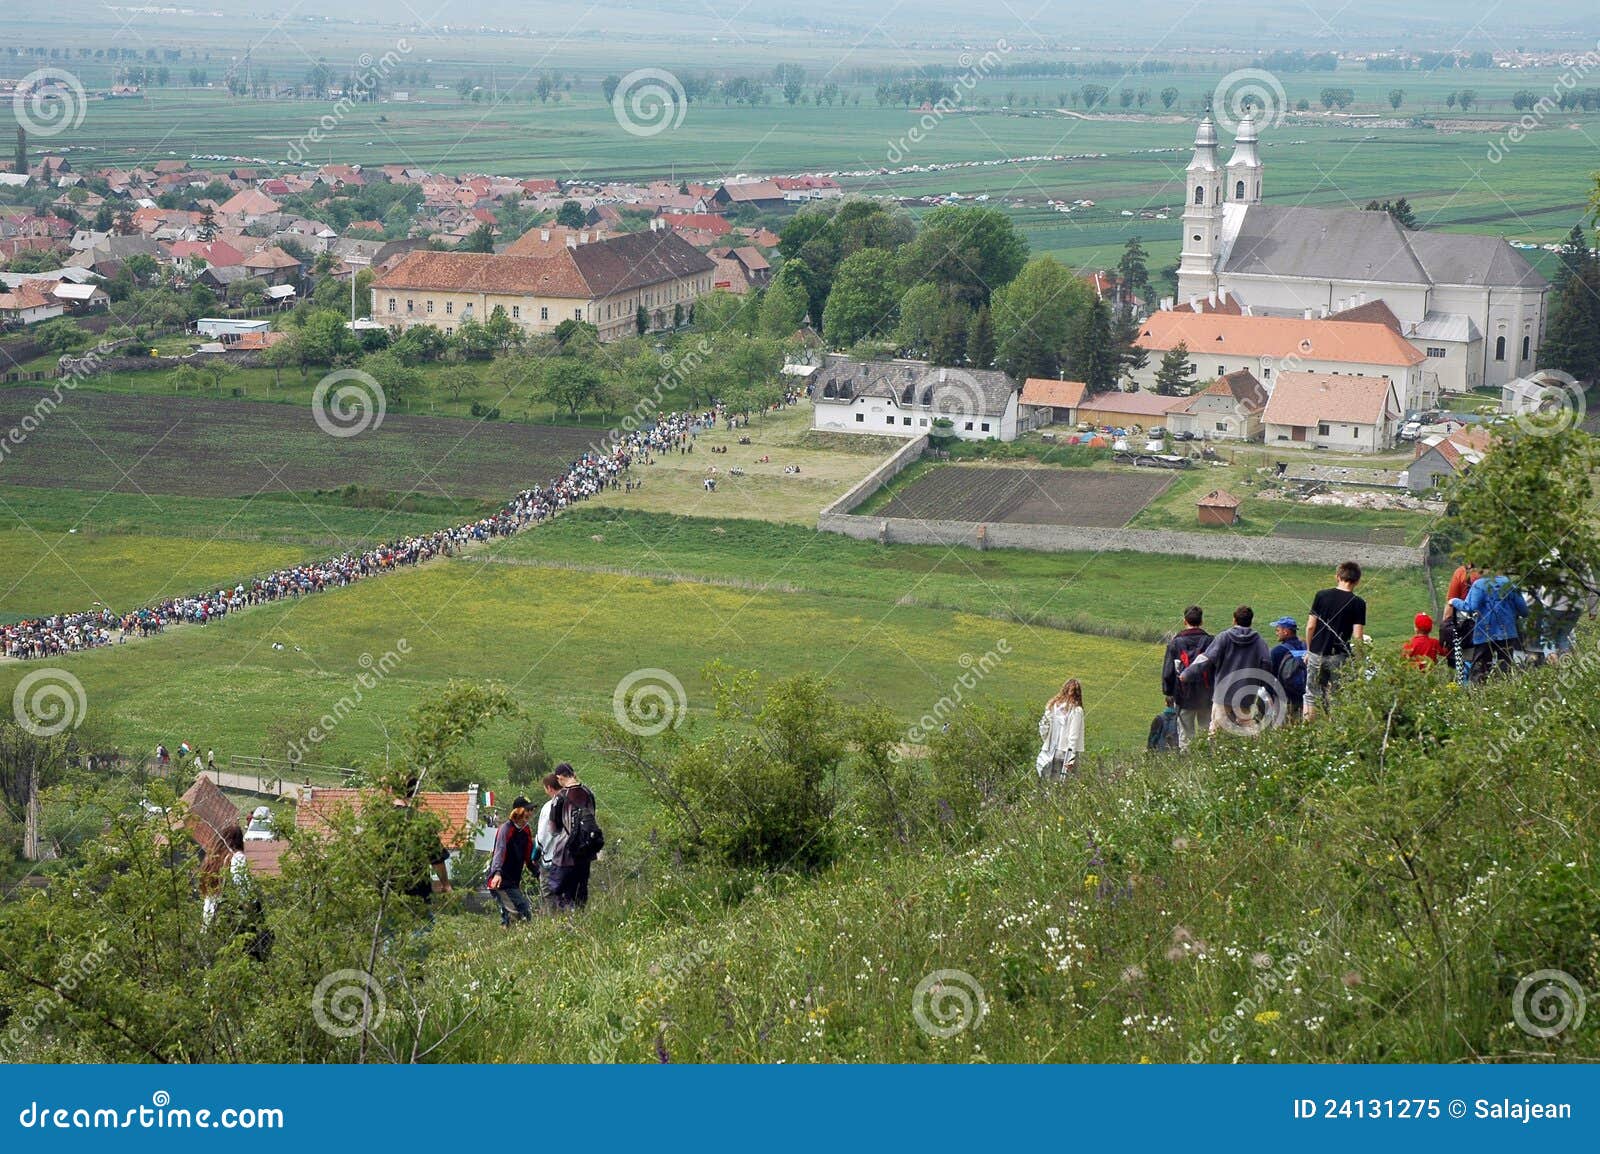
x=315 y=812
x=1056 y=394
x=207 y=813
x=1304 y=399
x=1281 y=337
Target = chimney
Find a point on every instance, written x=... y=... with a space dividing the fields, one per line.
x=1194 y=303
x=583 y=238
x=1308 y=314
x=572 y=241
x=472 y=809
x=942 y=376
x=544 y=235
x=1213 y=298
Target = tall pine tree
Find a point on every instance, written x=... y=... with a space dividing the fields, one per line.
x=1176 y=372
x=950 y=339
x=1093 y=355
x=1572 y=333
x=980 y=340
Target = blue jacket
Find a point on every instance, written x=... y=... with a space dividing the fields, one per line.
x=1496 y=605
x=1296 y=685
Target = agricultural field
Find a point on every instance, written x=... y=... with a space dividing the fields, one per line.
x=1041 y=496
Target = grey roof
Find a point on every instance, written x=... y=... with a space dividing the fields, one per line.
x=637 y=260
x=972 y=392
x=1437 y=326
x=1325 y=244
x=1461 y=258
x=1358 y=245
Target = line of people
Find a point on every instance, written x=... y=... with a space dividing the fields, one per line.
x=591 y=473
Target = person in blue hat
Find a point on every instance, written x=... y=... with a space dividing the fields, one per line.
x=1288 y=662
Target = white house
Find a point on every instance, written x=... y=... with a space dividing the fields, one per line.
x=902 y=398
x=1228 y=409
x=1332 y=411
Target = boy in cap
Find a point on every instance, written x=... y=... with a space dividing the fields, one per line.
x=1288 y=660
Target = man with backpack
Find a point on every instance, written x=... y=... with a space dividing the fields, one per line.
x=1192 y=699
x=1497 y=608
x=1288 y=661
x=1237 y=661
x=575 y=841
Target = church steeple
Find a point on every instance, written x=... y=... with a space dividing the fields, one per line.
x=1244 y=167
x=1202 y=216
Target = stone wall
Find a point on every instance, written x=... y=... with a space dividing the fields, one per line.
x=1071 y=539
x=898 y=462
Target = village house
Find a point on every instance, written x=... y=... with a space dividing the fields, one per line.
x=1440 y=458
x=1332 y=411
x=740 y=270
x=1228 y=409
x=903 y=398
x=1219 y=344
x=603 y=283
x=1120 y=410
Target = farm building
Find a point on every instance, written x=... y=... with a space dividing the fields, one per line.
x=1218 y=507
x=902 y=398
x=229 y=327
x=1442 y=457
x=1219 y=344
x=1471 y=304
x=1330 y=411
x=1536 y=393
x=1051 y=402
x=1228 y=409
x=1122 y=410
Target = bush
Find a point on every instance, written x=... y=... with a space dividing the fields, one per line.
x=529 y=760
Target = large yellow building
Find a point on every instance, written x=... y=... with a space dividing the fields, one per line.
x=604 y=283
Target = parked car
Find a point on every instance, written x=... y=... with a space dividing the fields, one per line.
x=1410 y=431
x=260 y=827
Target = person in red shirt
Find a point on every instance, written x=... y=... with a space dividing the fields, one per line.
x=1424 y=648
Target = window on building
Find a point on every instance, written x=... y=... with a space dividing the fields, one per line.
x=889 y=420
x=1266 y=374
x=1436 y=353
x=1238 y=191
x=860 y=417
x=1499 y=348
x=544 y=312
x=450 y=308
x=410 y=306
x=516 y=312
x=1222 y=370
x=923 y=422
x=1199 y=196
x=430 y=306
x=1322 y=430
x=984 y=427
x=577 y=314
x=1527 y=343
x=969 y=426
x=1222 y=426
x=905 y=420
x=391 y=304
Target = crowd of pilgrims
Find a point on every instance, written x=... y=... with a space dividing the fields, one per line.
x=588 y=475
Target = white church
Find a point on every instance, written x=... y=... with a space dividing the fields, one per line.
x=1471 y=304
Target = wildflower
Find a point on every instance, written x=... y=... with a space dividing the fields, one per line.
x=1351 y=979
x=1267 y=1017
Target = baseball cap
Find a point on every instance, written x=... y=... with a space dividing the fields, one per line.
x=1284 y=623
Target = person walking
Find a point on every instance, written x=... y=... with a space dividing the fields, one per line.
x=575 y=841
x=512 y=856
x=1338 y=619
x=1237 y=660
x=1061 y=731
x=1192 y=699
x=1423 y=648
x=1497 y=607
x=1288 y=661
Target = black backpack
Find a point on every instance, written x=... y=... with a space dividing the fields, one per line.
x=585 y=839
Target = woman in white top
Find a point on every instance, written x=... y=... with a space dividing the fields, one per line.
x=1061 y=729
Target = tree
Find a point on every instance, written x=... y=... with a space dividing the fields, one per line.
x=443 y=726
x=1033 y=316
x=1175 y=373
x=1526 y=510
x=529 y=761
x=968 y=251
x=208 y=224
x=473 y=340
x=1467 y=97
x=458 y=380
x=1450 y=100
x=1575 y=256
x=1401 y=210
x=480 y=239
x=1092 y=357
x=571 y=215
x=324 y=339
x=641 y=320
x=608 y=86
x=1572 y=333
x=1396 y=96
x=921 y=311
x=1134 y=270
x=568 y=382
x=980 y=340
x=398 y=380
x=950 y=337
x=279 y=355
x=783 y=307
x=863 y=298
x=1169 y=97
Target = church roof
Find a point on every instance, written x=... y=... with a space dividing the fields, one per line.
x=1360 y=245
x=1282 y=338
x=1322 y=244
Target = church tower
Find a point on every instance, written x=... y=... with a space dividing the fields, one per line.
x=1244 y=168
x=1202 y=217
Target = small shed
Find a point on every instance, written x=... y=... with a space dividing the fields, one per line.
x=1218 y=507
